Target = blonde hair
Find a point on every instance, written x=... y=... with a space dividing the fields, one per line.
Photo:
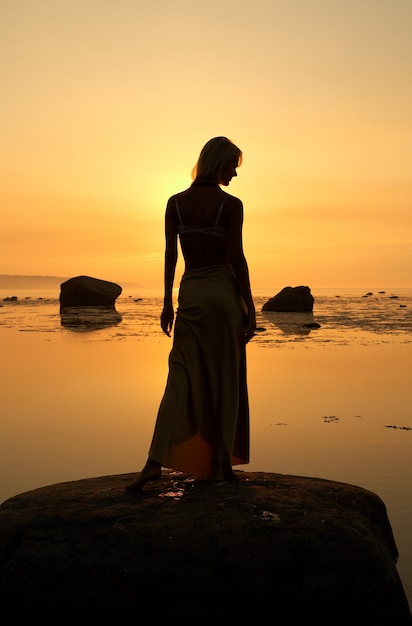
x=214 y=157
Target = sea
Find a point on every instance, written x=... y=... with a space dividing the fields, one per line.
x=330 y=392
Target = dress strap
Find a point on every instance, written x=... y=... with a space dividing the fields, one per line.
x=219 y=213
x=178 y=212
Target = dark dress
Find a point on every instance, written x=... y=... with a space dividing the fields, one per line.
x=202 y=426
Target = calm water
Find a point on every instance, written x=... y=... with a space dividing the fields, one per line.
x=79 y=394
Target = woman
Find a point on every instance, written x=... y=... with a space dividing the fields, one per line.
x=202 y=427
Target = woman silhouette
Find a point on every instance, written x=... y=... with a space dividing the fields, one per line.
x=202 y=426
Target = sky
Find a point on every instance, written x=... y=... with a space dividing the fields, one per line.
x=106 y=104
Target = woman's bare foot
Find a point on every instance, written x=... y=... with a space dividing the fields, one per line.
x=151 y=471
x=230 y=475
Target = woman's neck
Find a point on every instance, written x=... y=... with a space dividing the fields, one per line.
x=204 y=182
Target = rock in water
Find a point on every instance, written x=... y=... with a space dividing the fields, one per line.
x=291 y=300
x=87 y=291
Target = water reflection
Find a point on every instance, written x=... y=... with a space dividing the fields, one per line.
x=341 y=404
x=88 y=318
x=291 y=323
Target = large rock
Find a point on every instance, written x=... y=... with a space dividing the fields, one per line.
x=291 y=299
x=87 y=291
x=267 y=548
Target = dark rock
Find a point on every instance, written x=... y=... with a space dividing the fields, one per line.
x=291 y=300
x=302 y=550
x=87 y=291
x=312 y=325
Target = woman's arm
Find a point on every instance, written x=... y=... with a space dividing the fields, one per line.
x=166 y=320
x=240 y=266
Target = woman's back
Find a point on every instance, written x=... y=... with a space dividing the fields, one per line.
x=202 y=218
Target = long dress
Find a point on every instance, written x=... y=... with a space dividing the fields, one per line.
x=202 y=426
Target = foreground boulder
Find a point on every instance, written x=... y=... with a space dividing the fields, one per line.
x=291 y=300
x=267 y=548
x=87 y=291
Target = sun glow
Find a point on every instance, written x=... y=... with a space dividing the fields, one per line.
x=105 y=112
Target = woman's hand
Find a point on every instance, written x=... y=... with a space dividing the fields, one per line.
x=166 y=319
x=250 y=327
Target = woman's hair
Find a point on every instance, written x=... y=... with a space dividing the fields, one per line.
x=214 y=157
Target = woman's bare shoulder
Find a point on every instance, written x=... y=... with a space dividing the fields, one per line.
x=232 y=200
x=191 y=194
x=233 y=204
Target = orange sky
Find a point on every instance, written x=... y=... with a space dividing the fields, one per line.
x=106 y=104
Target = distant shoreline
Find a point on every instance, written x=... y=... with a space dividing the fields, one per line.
x=38 y=281
x=17 y=281
x=26 y=281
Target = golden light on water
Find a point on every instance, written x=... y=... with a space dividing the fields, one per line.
x=332 y=403
x=75 y=396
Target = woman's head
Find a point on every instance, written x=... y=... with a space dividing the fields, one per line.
x=218 y=161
